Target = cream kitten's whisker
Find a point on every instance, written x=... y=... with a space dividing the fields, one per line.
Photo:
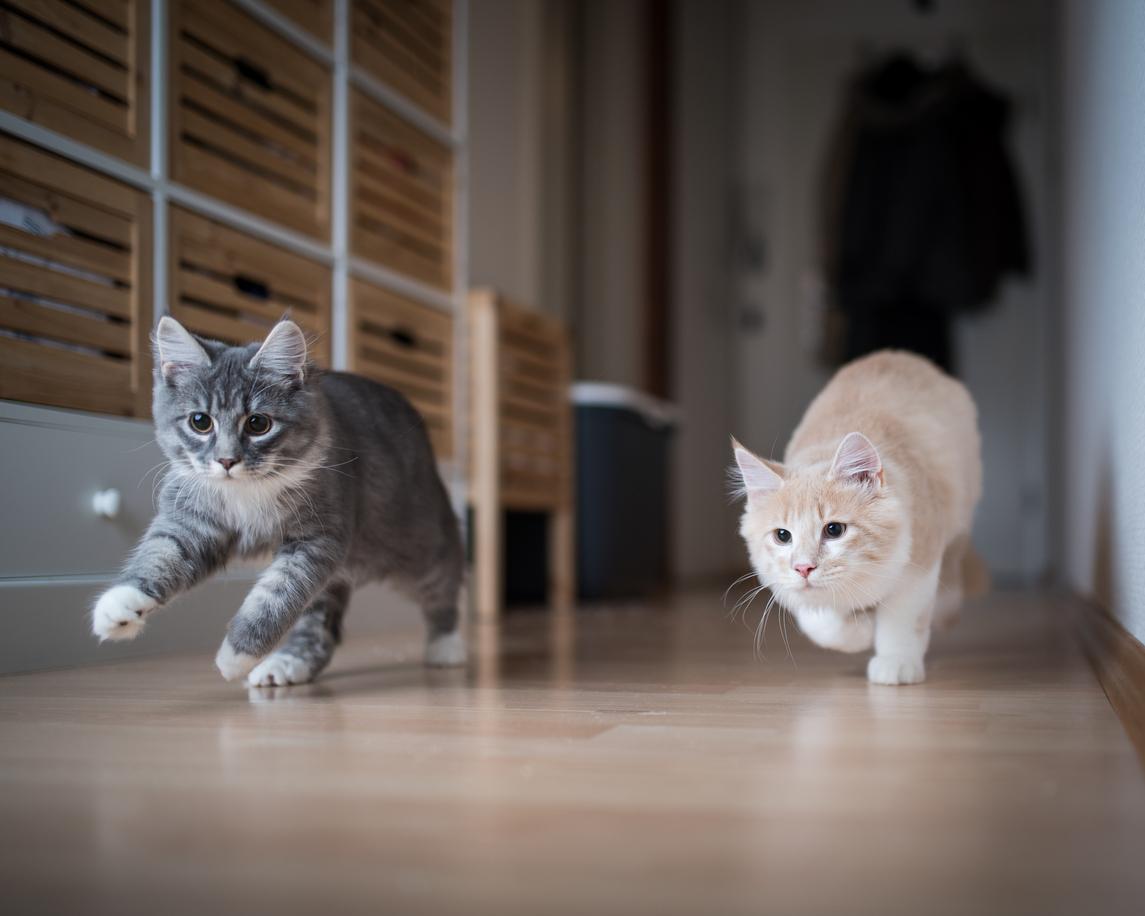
x=750 y=575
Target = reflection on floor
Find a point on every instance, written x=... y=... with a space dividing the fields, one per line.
x=640 y=761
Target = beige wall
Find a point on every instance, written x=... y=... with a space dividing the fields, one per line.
x=1102 y=540
x=520 y=167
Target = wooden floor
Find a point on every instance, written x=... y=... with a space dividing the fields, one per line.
x=644 y=763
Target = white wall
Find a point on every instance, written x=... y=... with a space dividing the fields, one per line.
x=612 y=188
x=1103 y=300
x=704 y=526
x=520 y=168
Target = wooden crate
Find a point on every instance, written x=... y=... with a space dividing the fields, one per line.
x=250 y=116
x=80 y=69
x=409 y=346
x=408 y=45
x=315 y=16
x=75 y=285
x=401 y=195
x=229 y=286
x=521 y=454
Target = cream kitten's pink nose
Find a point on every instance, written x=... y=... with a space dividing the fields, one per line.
x=804 y=569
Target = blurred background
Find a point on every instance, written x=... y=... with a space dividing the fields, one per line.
x=693 y=211
x=726 y=200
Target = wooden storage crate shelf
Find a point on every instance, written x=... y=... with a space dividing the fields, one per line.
x=250 y=116
x=408 y=346
x=80 y=69
x=75 y=291
x=408 y=45
x=522 y=445
x=401 y=195
x=229 y=286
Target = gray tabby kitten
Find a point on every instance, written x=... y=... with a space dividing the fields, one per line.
x=333 y=473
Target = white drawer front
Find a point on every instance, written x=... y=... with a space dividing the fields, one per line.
x=52 y=465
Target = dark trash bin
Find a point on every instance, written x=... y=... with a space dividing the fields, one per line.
x=622 y=442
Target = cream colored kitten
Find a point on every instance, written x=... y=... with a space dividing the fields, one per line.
x=863 y=532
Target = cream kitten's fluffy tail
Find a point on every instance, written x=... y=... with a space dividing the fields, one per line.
x=964 y=575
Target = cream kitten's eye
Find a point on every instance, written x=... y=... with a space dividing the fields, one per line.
x=833 y=530
x=783 y=535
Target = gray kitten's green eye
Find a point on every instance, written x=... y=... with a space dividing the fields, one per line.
x=783 y=535
x=833 y=530
x=201 y=422
x=258 y=424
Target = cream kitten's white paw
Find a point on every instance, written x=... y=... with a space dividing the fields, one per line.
x=231 y=664
x=895 y=669
x=446 y=651
x=120 y=612
x=279 y=670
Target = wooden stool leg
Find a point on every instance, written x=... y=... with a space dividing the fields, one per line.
x=562 y=559
x=487 y=560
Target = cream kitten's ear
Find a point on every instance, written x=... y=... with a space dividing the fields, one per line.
x=176 y=349
x=755 y=476
x=857 y=461
x=283 y=352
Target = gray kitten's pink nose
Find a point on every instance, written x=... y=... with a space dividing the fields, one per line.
x=227 y=463
x=804 y=569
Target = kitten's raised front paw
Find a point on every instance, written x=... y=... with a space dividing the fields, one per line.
x=279 y=670
x=231 y=664
x=120 y=612
x=895 y=669
x=446 y=651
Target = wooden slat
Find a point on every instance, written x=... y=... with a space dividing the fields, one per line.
x=67 y=211
x=117 y=12
x=84 y=28
x=66 y=177
x=75 y=98
x=211 y=97
x=402 y=216
x=316 y=16
x=208 y=258
x=218 y=326
x=244 y=149
x=408 y=46
x=46 y=375
x=77 y=252
x=70 y=327
x=34 y=39
x=51 y=284
x=202 y=288
x=224 y=250
x=71 y=53
x=264 y=147
x=423 y=370
x=235 y=34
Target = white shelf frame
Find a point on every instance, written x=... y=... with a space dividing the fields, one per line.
x=335 y=254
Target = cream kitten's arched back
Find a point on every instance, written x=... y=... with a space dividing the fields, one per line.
x=862 y=532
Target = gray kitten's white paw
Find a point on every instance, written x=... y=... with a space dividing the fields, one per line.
x=231 y=664
x=895 y=669
x=446 y=651
x=279 y=670
x=120 y=612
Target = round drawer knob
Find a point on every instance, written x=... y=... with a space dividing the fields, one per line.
x=105 y=503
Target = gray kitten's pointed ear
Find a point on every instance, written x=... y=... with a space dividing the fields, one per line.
x=176 y=349
x=752 y=475
x=857 y=461
x=283 y=353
